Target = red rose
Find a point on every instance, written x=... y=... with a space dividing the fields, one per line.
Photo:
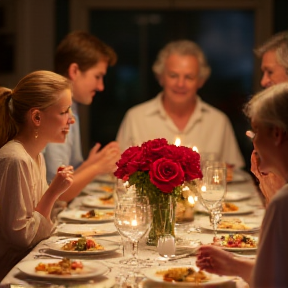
x=166 y=174
x=188 y=159
x=190 y=162
x=154 y=149
x=130 y=162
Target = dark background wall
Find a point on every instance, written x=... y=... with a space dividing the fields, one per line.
x=226 y=36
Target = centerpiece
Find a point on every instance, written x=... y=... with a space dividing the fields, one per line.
x=158 y=170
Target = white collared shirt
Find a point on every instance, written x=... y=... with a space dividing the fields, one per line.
x=208 y=129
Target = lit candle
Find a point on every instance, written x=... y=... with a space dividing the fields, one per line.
x=177 y=141
x=134 y=222
x=195 y=149
x=216 y=179
x=191 y=200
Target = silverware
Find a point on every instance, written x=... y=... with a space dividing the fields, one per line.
x=185 y=255
x=40 y=256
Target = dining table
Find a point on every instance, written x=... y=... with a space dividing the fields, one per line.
x=110 y=268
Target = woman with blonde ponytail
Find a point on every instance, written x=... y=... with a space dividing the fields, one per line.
x=33 y=114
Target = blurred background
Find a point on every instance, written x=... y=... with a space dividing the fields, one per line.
x=227 y=31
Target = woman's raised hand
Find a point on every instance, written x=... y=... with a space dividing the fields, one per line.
x=62 y=180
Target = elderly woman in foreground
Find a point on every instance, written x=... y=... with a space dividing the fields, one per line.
x=269 y=120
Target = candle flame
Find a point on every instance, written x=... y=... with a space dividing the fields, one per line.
x=191 y=200
x=134 y=222
x=195 y=149
x=216 y=179
x=178 y=141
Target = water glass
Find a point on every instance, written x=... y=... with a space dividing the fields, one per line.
x=132 y=221
x=212 y=192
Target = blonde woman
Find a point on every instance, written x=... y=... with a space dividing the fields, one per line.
x=34 y=113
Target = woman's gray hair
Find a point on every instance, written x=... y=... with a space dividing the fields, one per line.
x=279 y=44
x=270 y=106
x=181 y=47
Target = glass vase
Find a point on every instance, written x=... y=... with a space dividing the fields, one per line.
x=163 y=222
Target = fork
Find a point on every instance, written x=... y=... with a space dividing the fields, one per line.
x=44 y=255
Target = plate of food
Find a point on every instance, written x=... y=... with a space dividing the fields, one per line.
x=227 y=225
x=232 y=196
x=237 y=176
x=184 y=276
x=107 y=178
x=99 y=187
x=82 y=246
x=102 y=201
x=91 y=216
x=62 y=269
x=229 y=209
x=87 y=229
x=236 y=242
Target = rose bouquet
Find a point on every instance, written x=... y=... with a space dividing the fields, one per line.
x=158 y=169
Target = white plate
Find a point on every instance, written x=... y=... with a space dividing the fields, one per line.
x=91 y=269
x=99 y=187
x=232 y=196
x=150 y=273
x=96 y=202
x=108 y=178
x=247 y=256
x=242 y=210
x=87 y=229
x=254 y=227
x=239 y=177
x=75 y=215
x=56 y=246
x=235 y=249
x=238 y=249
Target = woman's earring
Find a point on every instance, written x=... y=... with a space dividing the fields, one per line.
x=36 y=134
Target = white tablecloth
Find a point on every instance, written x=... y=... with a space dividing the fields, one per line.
x=119 y=274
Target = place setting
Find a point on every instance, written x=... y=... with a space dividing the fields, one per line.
x=87 y=216
x=102 y=201
x=81 y=246
x=228 y=209
x=231 y=225
x=84 y=230
x=234 y=196
x=63 y=272
x=183 y=275
x=98 y=187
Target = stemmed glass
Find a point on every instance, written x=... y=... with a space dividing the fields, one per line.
x=123 y=190
x=132 y=220
x=212 y=192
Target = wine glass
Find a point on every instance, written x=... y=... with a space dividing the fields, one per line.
x=212 y=192
x=133 y=220
x=123 y=190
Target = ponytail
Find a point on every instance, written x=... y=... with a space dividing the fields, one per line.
x=8 y=128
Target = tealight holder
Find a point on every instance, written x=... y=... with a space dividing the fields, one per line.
x=166 y=245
